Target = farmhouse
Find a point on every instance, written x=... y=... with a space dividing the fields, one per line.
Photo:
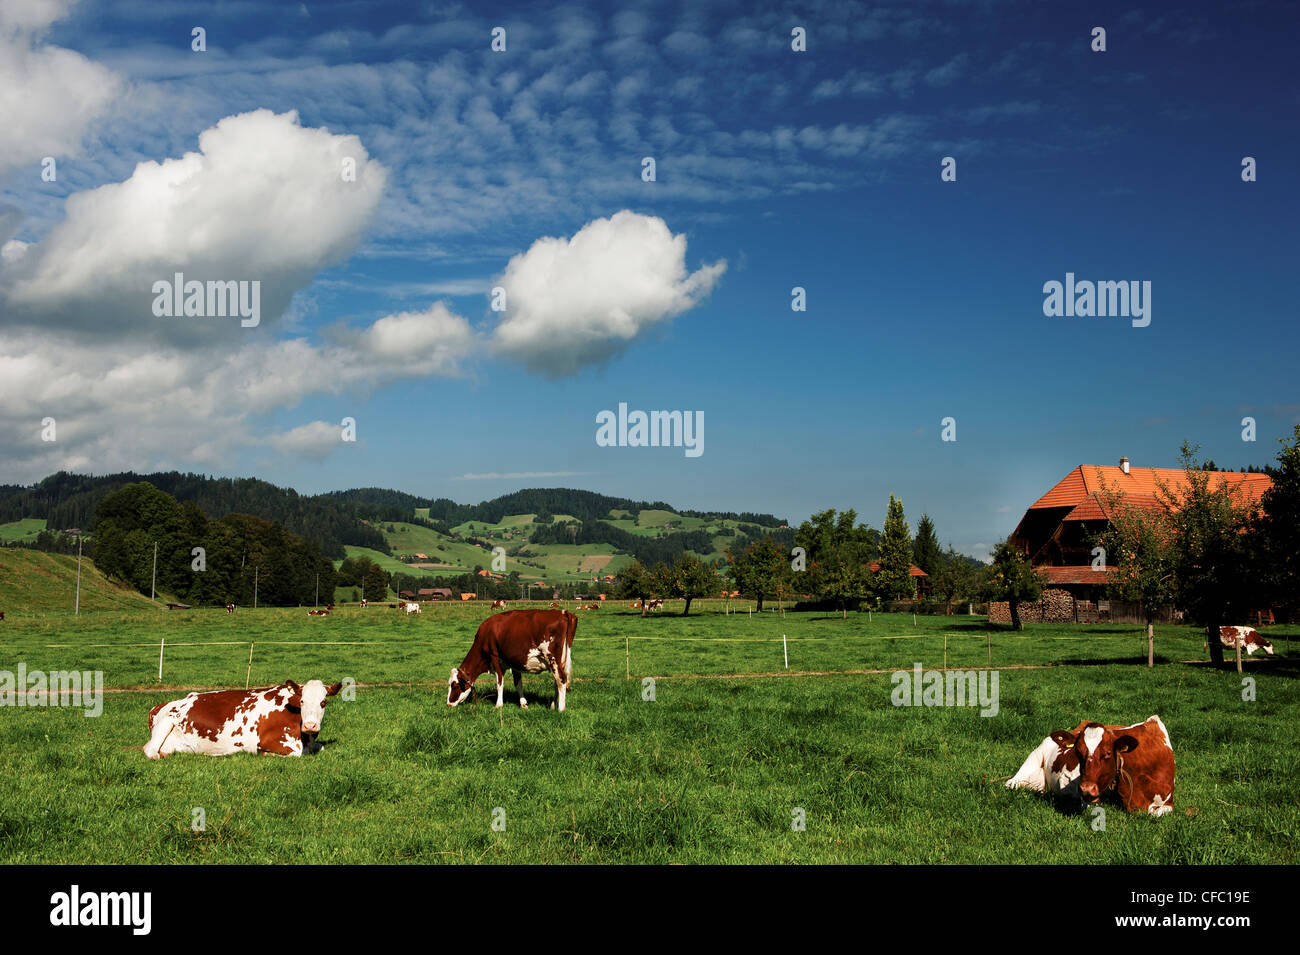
x=920 y=579
x=1060 y=529
x=435 y=593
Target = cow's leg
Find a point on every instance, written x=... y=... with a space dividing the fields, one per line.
x=1033 y=771
x=519 y=688
x=568 y=668
x=162 y=728
x=501 y=690
x=560 y=685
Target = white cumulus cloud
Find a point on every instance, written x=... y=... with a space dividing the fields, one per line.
x=264 y=199
x=48 y=95
x=572 y=302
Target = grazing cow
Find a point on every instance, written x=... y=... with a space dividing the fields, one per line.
x=283 y=719
x=518 y=640
x=412 y=608
x=554 y=605
x=1136 y=761
x=364 y=602
x=230 y=608
x=655 y=605
x=498 y=605
x=1248 y=637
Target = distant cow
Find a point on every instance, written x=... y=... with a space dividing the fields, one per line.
x=1247 y=637
x=412 y=608
x=2 y=614
x=1136 y=761
x=498 y=605
x=535 y=641
x=554 y=605
x=318 y=613
x=230 y=608
x=654 y=605
x=364 y=602
x=283 y=719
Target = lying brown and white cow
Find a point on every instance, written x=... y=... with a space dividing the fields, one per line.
x=1136 y=761
x=1248 y=637
x=535 y=641
x=283 y=719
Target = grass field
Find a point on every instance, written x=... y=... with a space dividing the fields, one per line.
x=711 y=770
x=25 y=528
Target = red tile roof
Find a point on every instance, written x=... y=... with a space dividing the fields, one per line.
x=1076 y=487
x=1074 y=575
x=874 y=566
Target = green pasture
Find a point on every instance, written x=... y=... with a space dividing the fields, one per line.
x=712 y=770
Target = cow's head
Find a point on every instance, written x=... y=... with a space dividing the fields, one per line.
x=1101 y=757
x=310 y=701
x=458 y=687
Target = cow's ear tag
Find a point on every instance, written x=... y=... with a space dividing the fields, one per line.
x=1125 y=744
x=1062 y=738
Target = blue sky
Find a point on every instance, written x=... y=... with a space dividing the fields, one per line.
x=774 y=169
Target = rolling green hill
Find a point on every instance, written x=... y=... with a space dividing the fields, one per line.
x=34 y=582
x=27 y=528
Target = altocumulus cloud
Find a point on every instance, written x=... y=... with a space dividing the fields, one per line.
x=582 y=300
x=264 y=199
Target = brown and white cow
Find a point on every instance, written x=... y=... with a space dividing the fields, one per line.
x=283 y=719
x=1136 y=761
x=534 y=641
x=230 y=608
x=498 y=605
x=364 y=603
x=318 y=613
x=412 y=607
x=1248 y=637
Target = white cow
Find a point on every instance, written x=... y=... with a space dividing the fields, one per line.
x=412 y=608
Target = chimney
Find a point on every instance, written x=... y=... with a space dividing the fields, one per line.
x=1123 y=465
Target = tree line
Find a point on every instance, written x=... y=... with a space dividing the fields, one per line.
x=67 y=500
x=236 y=559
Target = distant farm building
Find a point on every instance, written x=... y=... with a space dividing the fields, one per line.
x=1060 y=530
x=920 y=579
x=435 y=593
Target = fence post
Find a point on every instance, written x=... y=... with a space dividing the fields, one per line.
x=786 y=650
x=161 y=642
x=627 y=658
x=1239 y=654
x=249 y=674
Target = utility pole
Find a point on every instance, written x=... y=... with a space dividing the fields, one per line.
x=77 y=611
x=318 y=590
x=154 y=581
x=255 y=570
